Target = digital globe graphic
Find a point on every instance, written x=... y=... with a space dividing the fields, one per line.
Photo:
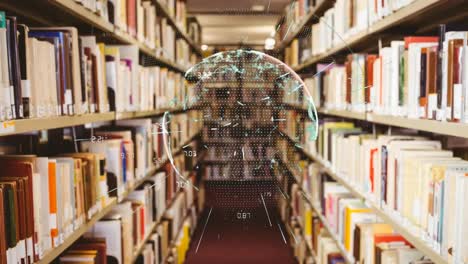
x=242 y=101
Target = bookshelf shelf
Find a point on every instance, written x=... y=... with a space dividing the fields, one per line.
x=18 y=126
x=158 y=112
x=137 y=114
x=392 y=20
x=344 y=113
x=55 y=252
x=165 y=12
x=84 y=14
x=443 y=128
x=426 y=125
x=402 y=228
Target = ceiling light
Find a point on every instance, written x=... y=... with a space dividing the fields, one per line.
x=258 y=8
x=270 y=43
x=204 y=47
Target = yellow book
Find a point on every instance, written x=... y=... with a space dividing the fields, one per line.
x=308 y=221
x=355 y=212
x=103 y=97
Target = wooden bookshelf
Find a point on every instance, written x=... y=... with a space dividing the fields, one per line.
x=55 y=252
x=150 y=113
x=397 y=18
x=180 y=32
x=19 y=126
x=112 y=32
x=434 y=126
x=343 y=113
x=403 y=228
x=84 y=14
x=425 y=125
x=139 y=114
x=346 y=255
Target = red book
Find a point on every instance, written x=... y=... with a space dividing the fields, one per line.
x=131 y=17
x=379 y=238
x=142 y=221
x=417 y=39
x=370 y=76
x=348 y=69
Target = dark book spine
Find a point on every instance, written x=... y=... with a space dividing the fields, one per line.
x=383 y=174
x=440 y=54
x=423 y=74
x=15 y=66
x=26 y=86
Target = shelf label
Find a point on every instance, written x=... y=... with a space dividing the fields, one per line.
x=7 y=127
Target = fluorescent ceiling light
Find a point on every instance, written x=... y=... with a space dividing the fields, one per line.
x=258 y=8
x=270 y=43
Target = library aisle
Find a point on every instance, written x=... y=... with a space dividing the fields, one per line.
x=232 y=238
x=202 y=131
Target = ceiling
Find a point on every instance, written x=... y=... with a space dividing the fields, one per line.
x=227 y=22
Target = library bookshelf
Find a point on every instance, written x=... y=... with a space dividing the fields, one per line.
x=18 y=126
x=53 y=13
x=55 y=252
x=418 y=8
x=408 y=231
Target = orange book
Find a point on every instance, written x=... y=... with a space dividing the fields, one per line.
x=370 y=76
x=53 y=202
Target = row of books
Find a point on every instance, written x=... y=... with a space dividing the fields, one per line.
x=147 y=221
x=359 y=231
x=339 y=23
x=357 y=227
x=54 y=71
x=194 y=30
x=418 y=77
x=293 y=14
x=48 y=198
x=178 y=10
x=141 y=20
x=45 y=199
x=232 y=171
x=409 y=176
x=240 y=151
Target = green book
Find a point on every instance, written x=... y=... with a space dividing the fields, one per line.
x=10 y=216
x=2 y=19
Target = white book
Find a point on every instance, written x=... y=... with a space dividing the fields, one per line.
x=5 y=88
x=414 y=74
x=397 y=49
